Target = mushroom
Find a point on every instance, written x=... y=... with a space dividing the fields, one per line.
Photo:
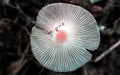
x=62 y=36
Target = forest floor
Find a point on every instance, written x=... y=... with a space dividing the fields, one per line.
x=17 y=17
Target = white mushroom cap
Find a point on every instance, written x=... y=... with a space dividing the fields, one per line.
x=61 y=36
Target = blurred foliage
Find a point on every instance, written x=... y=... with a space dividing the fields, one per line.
x=17 y=17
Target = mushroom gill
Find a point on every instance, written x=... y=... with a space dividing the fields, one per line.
x=62 y=36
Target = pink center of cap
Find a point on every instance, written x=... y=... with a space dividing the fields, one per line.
x=61 y=36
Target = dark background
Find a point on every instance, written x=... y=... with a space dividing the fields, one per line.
x=17 y=17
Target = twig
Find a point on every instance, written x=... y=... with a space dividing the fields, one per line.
x=41 y=71
x=27 y=18
x=107 y=51
x=17 y=69
x=10 y=21
x=85 y=70
x=24 y=28
x=14 y=69
x=20 y=43
x=116 y=21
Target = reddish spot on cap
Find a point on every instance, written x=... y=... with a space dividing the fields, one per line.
x=61 y=36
